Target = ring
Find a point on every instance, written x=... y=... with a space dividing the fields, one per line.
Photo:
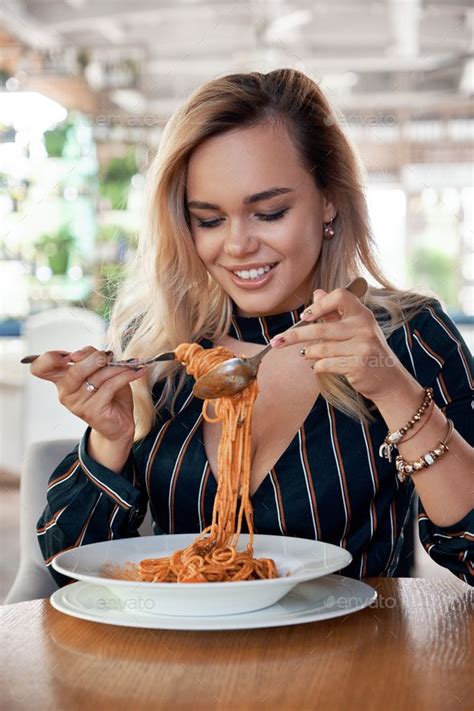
x=303 y=351
x=90 y=388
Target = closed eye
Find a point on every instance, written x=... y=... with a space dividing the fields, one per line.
x=264 y=217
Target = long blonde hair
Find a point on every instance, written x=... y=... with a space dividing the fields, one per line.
x=168 y=298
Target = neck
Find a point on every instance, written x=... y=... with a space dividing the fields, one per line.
x=262 y=328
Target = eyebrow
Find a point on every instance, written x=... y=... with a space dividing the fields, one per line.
x=248 y=200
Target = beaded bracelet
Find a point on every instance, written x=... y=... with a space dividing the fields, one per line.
x=427 y=460
x=393 y=438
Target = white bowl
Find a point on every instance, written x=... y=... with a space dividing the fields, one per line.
x=297 y=560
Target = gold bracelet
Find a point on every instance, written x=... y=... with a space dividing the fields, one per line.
x=393 y=438
x=405 y=468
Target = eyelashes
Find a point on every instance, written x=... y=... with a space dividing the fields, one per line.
x=264 y=217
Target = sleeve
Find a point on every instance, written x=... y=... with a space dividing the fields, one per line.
x=440 y=358
x=88 y=503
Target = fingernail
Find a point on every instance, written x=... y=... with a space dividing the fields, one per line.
x=278 y=341
x=108 y=353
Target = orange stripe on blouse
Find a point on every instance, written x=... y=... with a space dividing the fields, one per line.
x=78 y=540
x=152 y=455
x=177 y=471
x=51 y=520
x=343 y=473
x=279 y=500
x=203 y=495
x=428 y=348
x=63 y=476
x=114 y=511
x=310 y=483
x=444 y=388
x=373 y=508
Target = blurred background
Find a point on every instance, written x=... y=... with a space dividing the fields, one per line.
x=86 y=88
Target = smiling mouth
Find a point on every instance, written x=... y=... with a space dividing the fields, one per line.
x=253 y=274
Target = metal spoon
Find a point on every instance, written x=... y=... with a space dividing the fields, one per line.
x=233 y=375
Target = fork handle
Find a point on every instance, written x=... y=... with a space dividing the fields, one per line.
x=358 y=287
x=258 y=357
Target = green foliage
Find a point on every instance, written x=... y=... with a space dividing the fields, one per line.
x=436 y=270
x=56 y=139
x=121 y=169
x=56 y=247
x=116 y=180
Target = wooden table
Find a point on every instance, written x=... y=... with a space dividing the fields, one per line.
x=411 y=650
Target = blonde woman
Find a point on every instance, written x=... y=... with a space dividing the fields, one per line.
x=256 y=213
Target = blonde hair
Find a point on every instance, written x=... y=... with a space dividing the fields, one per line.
x=168 y=298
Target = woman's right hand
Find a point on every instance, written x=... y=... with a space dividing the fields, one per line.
x=108 y=409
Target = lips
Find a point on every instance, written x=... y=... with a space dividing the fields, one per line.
x=254 y=283
x=251 y=267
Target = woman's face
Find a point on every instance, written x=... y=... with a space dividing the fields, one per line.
x=253 y=207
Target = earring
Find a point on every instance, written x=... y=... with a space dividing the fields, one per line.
x=328 y=229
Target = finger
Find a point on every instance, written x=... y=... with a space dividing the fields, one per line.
x=87 y=363
x=339 y=365
x=309 y=314
x=105 y=394
x=98 y=379
x=51 y=365
x=105 y=373
x=328 y=349
x=314 y=332
x=340 y=301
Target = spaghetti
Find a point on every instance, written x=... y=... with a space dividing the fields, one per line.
x=213 y=557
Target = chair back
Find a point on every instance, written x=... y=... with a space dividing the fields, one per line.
x=43 y=416
x=33 y=579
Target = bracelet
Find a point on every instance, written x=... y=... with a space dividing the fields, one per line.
x=393 y=438
x=427 y=460
x=431 y=410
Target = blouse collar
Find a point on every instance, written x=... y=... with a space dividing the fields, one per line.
x=260 y=329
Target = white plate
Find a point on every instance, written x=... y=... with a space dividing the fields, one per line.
x=331 y=596
x=297 y=560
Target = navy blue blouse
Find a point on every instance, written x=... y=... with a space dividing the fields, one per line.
x=330 y=484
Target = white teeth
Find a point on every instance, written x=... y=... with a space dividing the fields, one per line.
x=253 y=273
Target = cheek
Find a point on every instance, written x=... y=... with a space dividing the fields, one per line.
x=206 y=249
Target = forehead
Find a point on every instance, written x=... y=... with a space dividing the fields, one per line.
x=244 y=161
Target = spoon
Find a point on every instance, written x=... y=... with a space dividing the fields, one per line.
x=233 y=375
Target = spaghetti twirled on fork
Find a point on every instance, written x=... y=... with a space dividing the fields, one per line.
x=213 y=557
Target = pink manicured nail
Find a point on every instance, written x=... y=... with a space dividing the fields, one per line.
x=278 y=341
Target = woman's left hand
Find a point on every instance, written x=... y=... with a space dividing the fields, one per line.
x=349 y=342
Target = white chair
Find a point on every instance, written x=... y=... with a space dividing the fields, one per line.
x=43 y=417
x=33 y=579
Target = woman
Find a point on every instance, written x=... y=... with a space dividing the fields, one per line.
x=257 y=213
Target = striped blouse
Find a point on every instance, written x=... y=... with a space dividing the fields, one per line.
x=330 y=484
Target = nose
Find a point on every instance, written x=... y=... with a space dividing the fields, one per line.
x=239 y=242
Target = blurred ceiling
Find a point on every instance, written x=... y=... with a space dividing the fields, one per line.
x=405 y=56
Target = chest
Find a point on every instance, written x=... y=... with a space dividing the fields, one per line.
x=288 y=390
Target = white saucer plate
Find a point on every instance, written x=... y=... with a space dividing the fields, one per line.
x=317 y=600
x=297 y=559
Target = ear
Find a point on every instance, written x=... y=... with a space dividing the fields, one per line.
x=329 y=209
